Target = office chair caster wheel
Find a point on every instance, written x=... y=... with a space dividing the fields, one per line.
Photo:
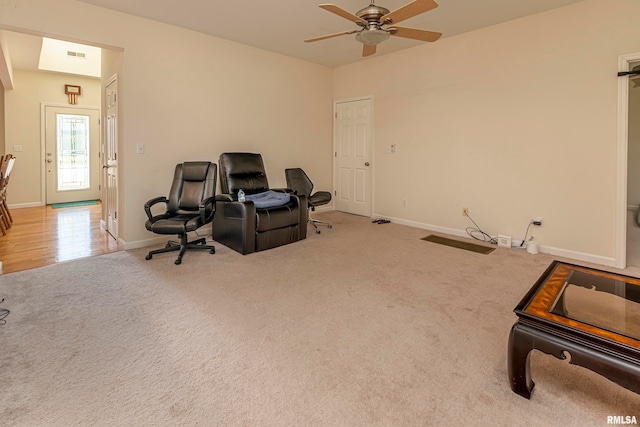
x=329 y=226
x=317 y=231
x=148 y=257
x=178 y=261
x=212 y=251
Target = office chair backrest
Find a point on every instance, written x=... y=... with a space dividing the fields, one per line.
x=242 y=171
x=192 y=183
x=298 y=181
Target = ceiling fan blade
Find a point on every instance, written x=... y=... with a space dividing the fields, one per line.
x=368 y=49
x=407 y=11
x=328 y=36
x=341 y=12
x=416 y=34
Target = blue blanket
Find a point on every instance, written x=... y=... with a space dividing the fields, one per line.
x=269 y=199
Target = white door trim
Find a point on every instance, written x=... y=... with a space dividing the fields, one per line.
x=43 y=150
x=622 y=149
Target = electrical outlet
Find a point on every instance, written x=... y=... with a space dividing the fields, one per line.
x=537 y=221
x=404 y=203
x=465 y=211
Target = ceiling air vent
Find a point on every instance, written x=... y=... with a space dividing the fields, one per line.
x=76 y=54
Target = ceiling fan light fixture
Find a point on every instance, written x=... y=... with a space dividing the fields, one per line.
x=372 y=37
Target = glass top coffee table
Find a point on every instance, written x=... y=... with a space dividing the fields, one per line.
x=590 y=316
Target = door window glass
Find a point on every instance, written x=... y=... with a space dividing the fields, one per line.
x=73 y=152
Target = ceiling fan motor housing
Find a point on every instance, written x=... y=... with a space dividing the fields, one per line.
x=372 y=14
x=372 y=33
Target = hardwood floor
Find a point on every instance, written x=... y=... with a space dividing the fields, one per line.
x=42 y=236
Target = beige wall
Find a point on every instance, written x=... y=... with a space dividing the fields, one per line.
x=512 y=121
x=23 y=108
x=189 y=96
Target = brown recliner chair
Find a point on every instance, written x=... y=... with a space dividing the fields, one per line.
x=244 y=227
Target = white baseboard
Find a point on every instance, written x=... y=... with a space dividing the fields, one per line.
x=565 y=253
x=26 y=205
x=160 y=239
x=579 y=256
x=136 y=244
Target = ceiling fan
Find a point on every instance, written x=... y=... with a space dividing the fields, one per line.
x=373 y=19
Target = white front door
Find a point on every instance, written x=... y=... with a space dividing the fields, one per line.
x=110 y=165
x=353 y=123
x=72 y=154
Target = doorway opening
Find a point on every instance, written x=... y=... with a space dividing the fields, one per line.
x=633 y=168
x=625 y=63
x=69 y=163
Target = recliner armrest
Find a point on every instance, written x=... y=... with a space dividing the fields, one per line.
x=152 y=202
x=224 y=198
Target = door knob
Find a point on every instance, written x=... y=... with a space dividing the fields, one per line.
x=366 y=164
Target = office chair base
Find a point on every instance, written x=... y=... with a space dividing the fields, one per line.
x=182 y=246
x=315 y=223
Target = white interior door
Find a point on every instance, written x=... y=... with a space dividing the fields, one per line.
x=110 y=165
x=72 y=154
x=353 y=125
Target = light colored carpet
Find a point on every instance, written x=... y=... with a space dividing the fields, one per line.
x=362 y=325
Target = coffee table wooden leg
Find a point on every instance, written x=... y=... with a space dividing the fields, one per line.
x=520 y=345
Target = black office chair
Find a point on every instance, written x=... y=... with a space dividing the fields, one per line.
x=190 y=205
x=298 y=181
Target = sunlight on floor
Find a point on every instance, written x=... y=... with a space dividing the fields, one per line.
x=74 y=234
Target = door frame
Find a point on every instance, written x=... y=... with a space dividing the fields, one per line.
x=372 y=145
x=624 y=64
x=43 y=150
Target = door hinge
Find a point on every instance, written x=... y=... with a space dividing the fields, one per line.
x=99 y=187
x=336 y=115
x=335 y=154
x=335 y=193
x=115 y=215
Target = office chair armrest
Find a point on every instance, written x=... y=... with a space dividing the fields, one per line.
x=154 y=201
x=207 y=209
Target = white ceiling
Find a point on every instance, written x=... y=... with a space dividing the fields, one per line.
x=282 y=25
